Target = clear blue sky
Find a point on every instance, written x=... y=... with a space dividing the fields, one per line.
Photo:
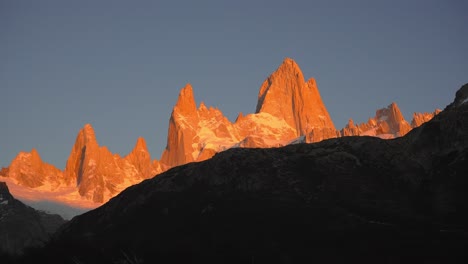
x=119 y=65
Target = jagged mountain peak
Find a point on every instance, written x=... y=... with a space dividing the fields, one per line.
x=87 y=135
x=28 y=169
x=31 y=156
x=98 y=173
x=420 y=118
x=392 y=111
x=387 y=123
x=139 y=149
x=286 y=95
x=141 y=144
x=395 y=108
x=186 y=101
x=140 y=160
x=239 y=117
x=275 y=83
x=88 y=129
x=289 y=64
x=392 y=120
x=202 y=107
x=288 y=107
x=350 y=124
x=34 y=152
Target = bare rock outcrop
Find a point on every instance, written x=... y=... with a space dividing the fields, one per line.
x=28 y=169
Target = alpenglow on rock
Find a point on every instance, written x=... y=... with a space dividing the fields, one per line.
x=28 y=169
x=99 y=174
x=388 y=123
x=349 y=199
x=288 y=109
x=286 y=95
x=92 y=170
x=421 y=118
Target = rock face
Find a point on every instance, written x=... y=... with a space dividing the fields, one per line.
x=421 y=118
x=358 y=199
x=287 y=96
x=21 y=226
x=182 y=130
x=288 y=108
x=140 y=159
x=387 y=123
x=4 y=171
x=99 y=174
x=28 y=169
x=93 y=170
x=391 y=121
x=197 y=134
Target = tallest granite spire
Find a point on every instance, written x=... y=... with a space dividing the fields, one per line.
x=285 y=94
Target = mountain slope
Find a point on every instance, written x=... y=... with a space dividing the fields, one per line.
x=21 y=226
x=346 y=199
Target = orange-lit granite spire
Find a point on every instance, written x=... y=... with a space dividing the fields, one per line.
x=286 y=95
x=28 y=169
x=287 y=108
x=100 y=174
x=181 y=132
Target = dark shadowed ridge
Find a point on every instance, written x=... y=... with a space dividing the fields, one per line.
x=22 y=227
x=351 y=199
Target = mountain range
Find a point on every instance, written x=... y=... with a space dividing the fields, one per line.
x=289 y=110
x=355 y=199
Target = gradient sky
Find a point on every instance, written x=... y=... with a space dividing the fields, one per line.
x=119 y=65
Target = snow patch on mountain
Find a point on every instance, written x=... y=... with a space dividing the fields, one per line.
x=65 y=201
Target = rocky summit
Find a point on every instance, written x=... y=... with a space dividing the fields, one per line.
x=387 y=123
x=348 y=199
x=286 y=95
x=100 y=174
x=28 y=169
